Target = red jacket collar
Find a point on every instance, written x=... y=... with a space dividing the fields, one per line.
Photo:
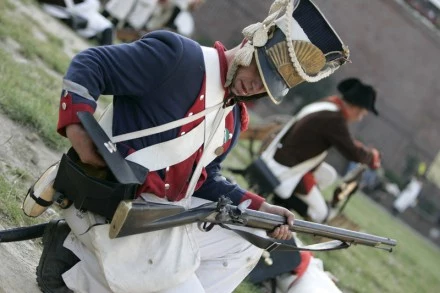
x=340 y=103
x=223 y=72
x=223 y=62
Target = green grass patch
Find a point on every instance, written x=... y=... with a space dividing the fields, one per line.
x=411 y=267
x=31 y=73
x=30 y=96
x=246 y=287
x=12 y=194
x=32 y=65
x=46 y=47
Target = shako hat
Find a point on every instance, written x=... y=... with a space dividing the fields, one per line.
x=295 y=43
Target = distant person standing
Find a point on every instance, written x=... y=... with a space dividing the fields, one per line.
x=408 y=196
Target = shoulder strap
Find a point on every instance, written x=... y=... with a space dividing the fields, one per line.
x=214 y=87
x=309 y=109
x=269 y=244
x=153 y=130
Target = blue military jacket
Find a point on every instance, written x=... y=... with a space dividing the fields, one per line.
x=157 y=79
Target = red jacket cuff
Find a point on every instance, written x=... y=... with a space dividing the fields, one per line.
x=67 y=113
x=257 y=200
x=306 y=257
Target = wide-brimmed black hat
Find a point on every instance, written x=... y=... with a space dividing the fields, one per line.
x=301 y=46
x=357 y=93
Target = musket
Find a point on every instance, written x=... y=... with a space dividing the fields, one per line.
x=349 y=185
x=134 y=217
x=22 y=233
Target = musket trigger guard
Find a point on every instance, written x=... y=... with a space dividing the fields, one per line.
x=205 y=226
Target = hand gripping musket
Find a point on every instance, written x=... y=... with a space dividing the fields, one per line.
x=134 y=217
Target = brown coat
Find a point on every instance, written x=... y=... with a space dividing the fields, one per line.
x=318 y=132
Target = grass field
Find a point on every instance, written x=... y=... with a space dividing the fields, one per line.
x=413 y=266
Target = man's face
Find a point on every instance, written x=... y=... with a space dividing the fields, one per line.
x=247 y=81
x=357 y=114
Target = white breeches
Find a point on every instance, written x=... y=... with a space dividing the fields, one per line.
x=325 y=175
x=317 y=207
x=408 y=196
x=314 y=280
x=225 y=259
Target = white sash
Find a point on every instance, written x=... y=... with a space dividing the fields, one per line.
x=309 y=109
x=159 y=156
x=290 y=176
x=214 y=125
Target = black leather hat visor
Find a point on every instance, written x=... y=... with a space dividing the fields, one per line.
x=273 y=82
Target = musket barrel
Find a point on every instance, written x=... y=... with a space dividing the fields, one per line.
x=263 y=220
x=341 y=234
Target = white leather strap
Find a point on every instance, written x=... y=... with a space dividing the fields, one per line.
x=214 y=125
x=303 y=167
x=309 y=109
x=289 y=177
x=293 y=174
x=107 y=117
x=160 y=156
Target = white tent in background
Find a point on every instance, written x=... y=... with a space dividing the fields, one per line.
x=436 y=3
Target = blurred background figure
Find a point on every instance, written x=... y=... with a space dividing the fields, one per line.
x=83 y=16
x=299 y=155
x=133 y=18
x=129 y=13
x=408 y=196
x=371 y=180
x=175 y=15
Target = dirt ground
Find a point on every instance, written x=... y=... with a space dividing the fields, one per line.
x=18 y=263
x=22 y=149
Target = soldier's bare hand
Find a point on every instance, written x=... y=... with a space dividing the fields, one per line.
x=282 y=232
x=84 y=146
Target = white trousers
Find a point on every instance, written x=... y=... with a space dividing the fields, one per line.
x=317 y=207
x=225 y=259
x=314 y=280
x=408 y=196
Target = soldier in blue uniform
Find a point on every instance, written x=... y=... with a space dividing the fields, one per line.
x=161 y=78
